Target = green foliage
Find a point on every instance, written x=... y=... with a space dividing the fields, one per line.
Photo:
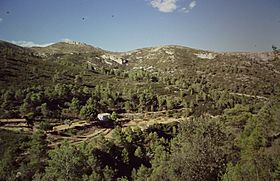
x=125 y=156
x=139 y=153
x=254 y=162
x=89 y=110
x=37 y=156
x=276 y=173
x=7 y=164
x=256 y=166
x=45 y=125
x=196 y=154
x=119 y=136
x=65 y=163
x=242 y=143
x=142 y=174
x=11 y=146
x=75 y=105
x=114 y=116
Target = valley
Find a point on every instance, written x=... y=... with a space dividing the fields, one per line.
x=168 y=106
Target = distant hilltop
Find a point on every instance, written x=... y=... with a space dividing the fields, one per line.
x=72 y=42
x=150 y=55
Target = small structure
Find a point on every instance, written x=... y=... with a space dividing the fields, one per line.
x=104 y=116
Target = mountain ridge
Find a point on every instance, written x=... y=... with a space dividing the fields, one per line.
x=73 y=42
x=241 y=73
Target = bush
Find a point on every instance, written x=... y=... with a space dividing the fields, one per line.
x=45 y=125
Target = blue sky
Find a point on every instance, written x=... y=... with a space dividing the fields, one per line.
x=121 y=25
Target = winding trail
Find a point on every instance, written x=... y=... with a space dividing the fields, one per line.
x=88 y=130
x=248 y=95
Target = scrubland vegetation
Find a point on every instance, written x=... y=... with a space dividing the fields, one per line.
x=226 y=110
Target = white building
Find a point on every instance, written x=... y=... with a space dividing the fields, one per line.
x=104 y=116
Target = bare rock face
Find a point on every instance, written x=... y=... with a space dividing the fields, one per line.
x=71 y=42
x=110 y=57
x=209 y=56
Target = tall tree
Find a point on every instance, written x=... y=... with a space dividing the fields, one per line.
x=66 y=163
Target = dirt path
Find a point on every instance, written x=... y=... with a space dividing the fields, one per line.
x=248 y=95
x=107 y=132
x=145 y=124
x=150 y=113
x=7 y=121
x=70 y=126
x=86 y=131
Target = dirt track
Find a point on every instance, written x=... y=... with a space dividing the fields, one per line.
x=80 y=130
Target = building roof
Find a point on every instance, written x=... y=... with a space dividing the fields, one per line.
x=104 y=114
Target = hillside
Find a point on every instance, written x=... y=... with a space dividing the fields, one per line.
x=67 y=48
x=251 y=73
x=176 y=113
